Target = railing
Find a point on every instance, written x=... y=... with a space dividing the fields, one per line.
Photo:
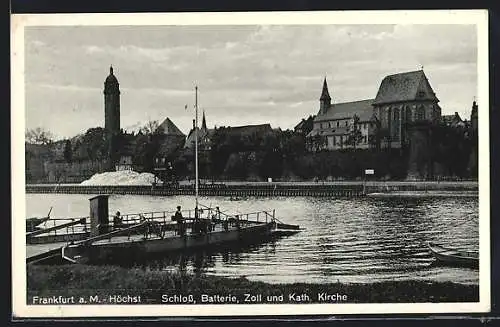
x=59 y=226
x=56 y=226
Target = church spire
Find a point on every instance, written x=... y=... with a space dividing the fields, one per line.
x=204 y=122
x=325 y=101
x=324 y=94
x=111 y=70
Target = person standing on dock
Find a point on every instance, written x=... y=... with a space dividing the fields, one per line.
x=117 y=220
x=180 y=221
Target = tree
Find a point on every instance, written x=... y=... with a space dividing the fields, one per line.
x=95 y=144
x=152 y=127
x=38 y=135
x=317 y=142
x=68 y=152
x=355 y=136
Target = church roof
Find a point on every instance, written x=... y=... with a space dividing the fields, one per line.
x=405 y=87
x=363 y=109
x=168 y=127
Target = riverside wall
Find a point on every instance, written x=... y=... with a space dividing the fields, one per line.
x=242 y=189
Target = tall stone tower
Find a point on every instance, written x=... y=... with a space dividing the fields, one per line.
x=473 y=116
x=112 y=116
x=324 y=101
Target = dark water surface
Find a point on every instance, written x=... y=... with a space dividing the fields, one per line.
x=358 y=240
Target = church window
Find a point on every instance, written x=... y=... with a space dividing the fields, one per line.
x=396 y=114
x=420 y=113
x=334 y=140
x=346 y=122
x=408 y=114
x=337 y=123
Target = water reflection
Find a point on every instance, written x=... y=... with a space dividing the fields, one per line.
x=351 y=240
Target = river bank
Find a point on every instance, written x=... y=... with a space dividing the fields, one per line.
x=156 y=287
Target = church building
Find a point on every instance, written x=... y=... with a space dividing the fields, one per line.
x=402 y=99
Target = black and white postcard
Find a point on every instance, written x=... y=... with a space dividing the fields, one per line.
x=279 y=163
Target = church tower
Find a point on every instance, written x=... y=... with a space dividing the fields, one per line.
x=204 y=122
x=473 y=116
x=112 y=115
x=324 y=101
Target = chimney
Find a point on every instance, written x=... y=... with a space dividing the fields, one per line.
x=193 y=123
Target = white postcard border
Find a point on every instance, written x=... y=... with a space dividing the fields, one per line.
x=19 y=22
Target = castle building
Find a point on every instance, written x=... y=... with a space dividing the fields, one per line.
x=112 y=114
x=402 y=99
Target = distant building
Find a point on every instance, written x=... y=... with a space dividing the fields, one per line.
x=204 y=136
x=402 y=99
x=170 y=141
x=126 y=152
x=305 y=126
x=473 y=116
x=453 y=120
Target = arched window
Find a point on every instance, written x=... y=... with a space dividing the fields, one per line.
x=408 y=115
x=395 y=125
x=389 y=114
x=421 y=113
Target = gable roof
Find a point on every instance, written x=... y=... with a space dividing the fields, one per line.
x=346 y=110
x=168 y=127
x=404 y=87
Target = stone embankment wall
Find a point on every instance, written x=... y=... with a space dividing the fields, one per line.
x=340 y=189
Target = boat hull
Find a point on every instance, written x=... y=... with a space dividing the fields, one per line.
x=453 y=257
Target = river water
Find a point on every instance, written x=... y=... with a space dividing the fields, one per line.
x=358 y=240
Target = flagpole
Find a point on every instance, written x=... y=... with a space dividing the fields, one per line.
x=196 y=151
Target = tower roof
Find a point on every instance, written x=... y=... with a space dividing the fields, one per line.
x=324 y=93
x=111 y=84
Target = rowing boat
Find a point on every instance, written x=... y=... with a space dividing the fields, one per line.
x=453 y=256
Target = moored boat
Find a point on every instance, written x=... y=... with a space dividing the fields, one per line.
x=453 y=256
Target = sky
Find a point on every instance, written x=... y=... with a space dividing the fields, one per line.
x=246 y=74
